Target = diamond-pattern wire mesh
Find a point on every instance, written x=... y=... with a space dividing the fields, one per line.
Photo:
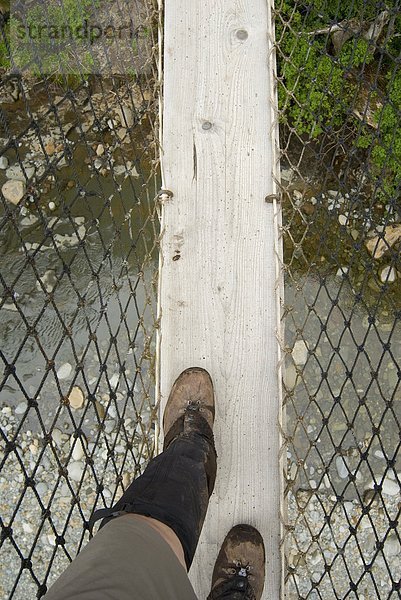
x=339 y=90
x=78 y=278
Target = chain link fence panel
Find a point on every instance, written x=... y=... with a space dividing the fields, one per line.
x=339 y=96
x=79 y=174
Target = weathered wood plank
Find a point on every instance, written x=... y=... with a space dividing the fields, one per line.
x=218 y=299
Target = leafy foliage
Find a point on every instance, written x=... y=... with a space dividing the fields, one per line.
x=320 y=89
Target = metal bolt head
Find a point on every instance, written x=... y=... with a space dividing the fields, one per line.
x=241 y=34
x=206 y=125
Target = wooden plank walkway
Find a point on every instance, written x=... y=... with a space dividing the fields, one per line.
x=218 y=300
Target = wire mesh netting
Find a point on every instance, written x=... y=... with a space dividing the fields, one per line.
x=79 y=251
x=339 y=90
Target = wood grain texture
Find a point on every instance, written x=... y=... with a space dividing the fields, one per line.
x=218 y=296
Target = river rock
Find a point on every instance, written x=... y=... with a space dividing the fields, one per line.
x=48 y=280
x=13 y=191
x=29 y=220
x=76 y=398
x=50 y=147
x=64 y=371
x=78 y=451
x=100 y=150
x=122 y=133
x=341 y=467
x=75 y=470
x=100 y=409
x=57 y=436
x=113 y=381
x=119 y=169
x=27 y=528
x=17 y=174
x=3 y=162
x=388 y=275
x=390 y=487
x=392 y=546
x=41 y=489
x=21 y=408
x=342 y=271
x=287 y=174
x=300 y=353
x=377 y=246
x=290 y=377
x=125 y=115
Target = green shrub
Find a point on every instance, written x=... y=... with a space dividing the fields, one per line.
x=318 y=89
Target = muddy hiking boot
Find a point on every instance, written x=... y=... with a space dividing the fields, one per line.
x=239 y=572
x=176 y=485
x=191 y=396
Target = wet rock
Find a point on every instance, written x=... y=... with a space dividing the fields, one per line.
x=3 y=162
x=100 y=150
x=342 y=271
x=287 y=174
x=52 y=206
x=18 y=174
x=29 y=220
x=119 y=169
x=342 y=219
x=76 y=398
x=122 y=133
x=13 y=191
x=66 y=241
x=300 y=353
x=49 y=281
x=50 y=147
x=64 y=371
x=388 y=275
x=126 y=116
x=63 y=162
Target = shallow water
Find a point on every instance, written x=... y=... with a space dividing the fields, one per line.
x=90 y=252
